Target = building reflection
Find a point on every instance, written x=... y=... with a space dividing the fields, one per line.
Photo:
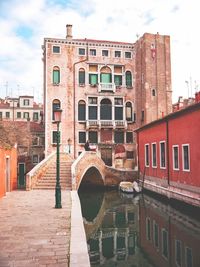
x=140 y=231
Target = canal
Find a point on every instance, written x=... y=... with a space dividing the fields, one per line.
x=141 y=231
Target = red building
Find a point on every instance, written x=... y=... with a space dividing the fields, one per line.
x=169 y=154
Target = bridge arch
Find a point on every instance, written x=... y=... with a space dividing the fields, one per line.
x=86 y=164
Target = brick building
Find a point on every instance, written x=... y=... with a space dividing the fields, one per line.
x=20 y=109
x=105 y=89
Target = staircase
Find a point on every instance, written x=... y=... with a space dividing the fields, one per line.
x=48 y=179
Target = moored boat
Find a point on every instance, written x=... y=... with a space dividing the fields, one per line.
x=129 y=187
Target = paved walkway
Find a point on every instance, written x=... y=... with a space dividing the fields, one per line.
x=32 y=232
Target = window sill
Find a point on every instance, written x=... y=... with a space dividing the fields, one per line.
x=56 y=84
x=129 y=87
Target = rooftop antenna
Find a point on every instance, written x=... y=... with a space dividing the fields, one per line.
x=187 y=84
x=191 y=85
x=18 y=90
x=6 y=86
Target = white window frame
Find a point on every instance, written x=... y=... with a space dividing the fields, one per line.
x=163 y=142
x=153 y=166
x=38 y=140
x=85 y=136
x=145 y=154
x=37 y=159
x=55 y=52
x=173 y=158
x=120 y=53
x=128 y=57
x=105 y=50
x=90 y=51
x=81 y=48
x=183 y=145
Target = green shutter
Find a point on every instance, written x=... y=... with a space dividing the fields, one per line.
x=106 y=78
x=93 y=78
x=128 y=79
x=56 y=76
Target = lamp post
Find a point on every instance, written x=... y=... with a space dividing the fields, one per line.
x=69 y=144
x=57 y=120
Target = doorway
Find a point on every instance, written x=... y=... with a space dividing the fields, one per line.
x=7 y=174
x=106 y=156
x=21 y=175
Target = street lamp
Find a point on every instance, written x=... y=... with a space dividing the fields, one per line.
x=57 y=120
x=69 y=144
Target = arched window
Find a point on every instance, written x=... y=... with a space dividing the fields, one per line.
x=106 y=75
x=129 y=111
x=55 y=106
x=106 y=109
x=81 y=110
x=153 y=92
x=56 y=75
x=81 y=77
x=128 y=79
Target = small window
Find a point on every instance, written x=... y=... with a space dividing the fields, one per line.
x=56 y=75
x=56 y=49
x=148 y=229
x=81 y=77
x=119 y=137
x=130 y=154
x=105 y=53
x=175 y=157
x=165 y=248
x=54 y=137
x=118 y=80
x=162 y=155
x=81 y=51
x=146 y=155
x=117 y=53
x=128 y=79
x=188 y=257
x=155 y=234
x=127 y=54
x=93 y=137
x=92 y=100
x=82 y=137
x=1 y=115
x=129 y=137
x=142 y=116
x=7 y=115
x=93 y=52
x=26 y=115
x=129 y=111
x=18 y=115
x=81 y=110
x=35 y=159
x=55 y=106
x=26 y=102
x=35 y=141
x=186 y=157
x=35 y=116
x=153 y=92
x=93 y=79
x=154 y=156
x=178 y=250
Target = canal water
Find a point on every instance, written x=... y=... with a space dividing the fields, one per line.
x=141 y=231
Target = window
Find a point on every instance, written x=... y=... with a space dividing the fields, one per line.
x=7 y=115
x=127 y=54
x=81 y=51
x=129 y=154
x=1 y=115
x=175 y=157
x=106 y=109
x=118 y=80
x=54 y=137
x=35 y=159
x=153 y=92
x=18 y=115
x=142 y=115
x=118 y=108
x=26 y=115
x=105 y=53
x=154 y=156
x=129 y=137
x=186 y=157
x=155 y=234
x=93 y=79
x=129 y=111
x=162 y=155
x=26 y=102
x=35 y=141
x=117 y=53
x=165 y=249
x=56 y=75
x=81 y=76
x=178 y=255
x=35 y=116
x=148 y=229
x=93 y=137
x=146 y=155
x=92 y=108
x=93 y=52
x=55 y=106
x=119 y=137
x=134 y=117
x=188 y=257
x=128 y=79
x=82 y=137
x=81 y=110
x=56 y=49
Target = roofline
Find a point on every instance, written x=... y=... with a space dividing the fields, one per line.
x=172 y=115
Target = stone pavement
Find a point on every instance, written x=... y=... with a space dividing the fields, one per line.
x=32 y=232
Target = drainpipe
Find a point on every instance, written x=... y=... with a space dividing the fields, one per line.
x=167 y=148
x=138 y=159
x=74 y=84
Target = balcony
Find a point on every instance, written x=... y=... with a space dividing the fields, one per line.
x=106 y=124
x=107 y=87
x=92 y=124
x=120 y=124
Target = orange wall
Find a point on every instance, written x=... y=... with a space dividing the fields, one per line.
x=12 y=154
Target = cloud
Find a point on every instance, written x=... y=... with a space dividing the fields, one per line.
x=25 y=23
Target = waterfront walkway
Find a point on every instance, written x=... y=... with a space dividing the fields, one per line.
x=32 y=232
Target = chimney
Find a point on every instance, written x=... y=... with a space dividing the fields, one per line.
x=69 y=32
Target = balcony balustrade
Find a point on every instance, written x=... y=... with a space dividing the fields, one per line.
x=110 y=87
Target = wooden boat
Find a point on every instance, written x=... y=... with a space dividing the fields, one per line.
x=129 y=187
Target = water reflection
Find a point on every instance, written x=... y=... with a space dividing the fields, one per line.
x=125 y=231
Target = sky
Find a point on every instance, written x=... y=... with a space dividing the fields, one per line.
x=25 y=23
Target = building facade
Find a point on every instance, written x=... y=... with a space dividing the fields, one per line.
x=105 y=89
x=20 y=109
x=168 y=155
